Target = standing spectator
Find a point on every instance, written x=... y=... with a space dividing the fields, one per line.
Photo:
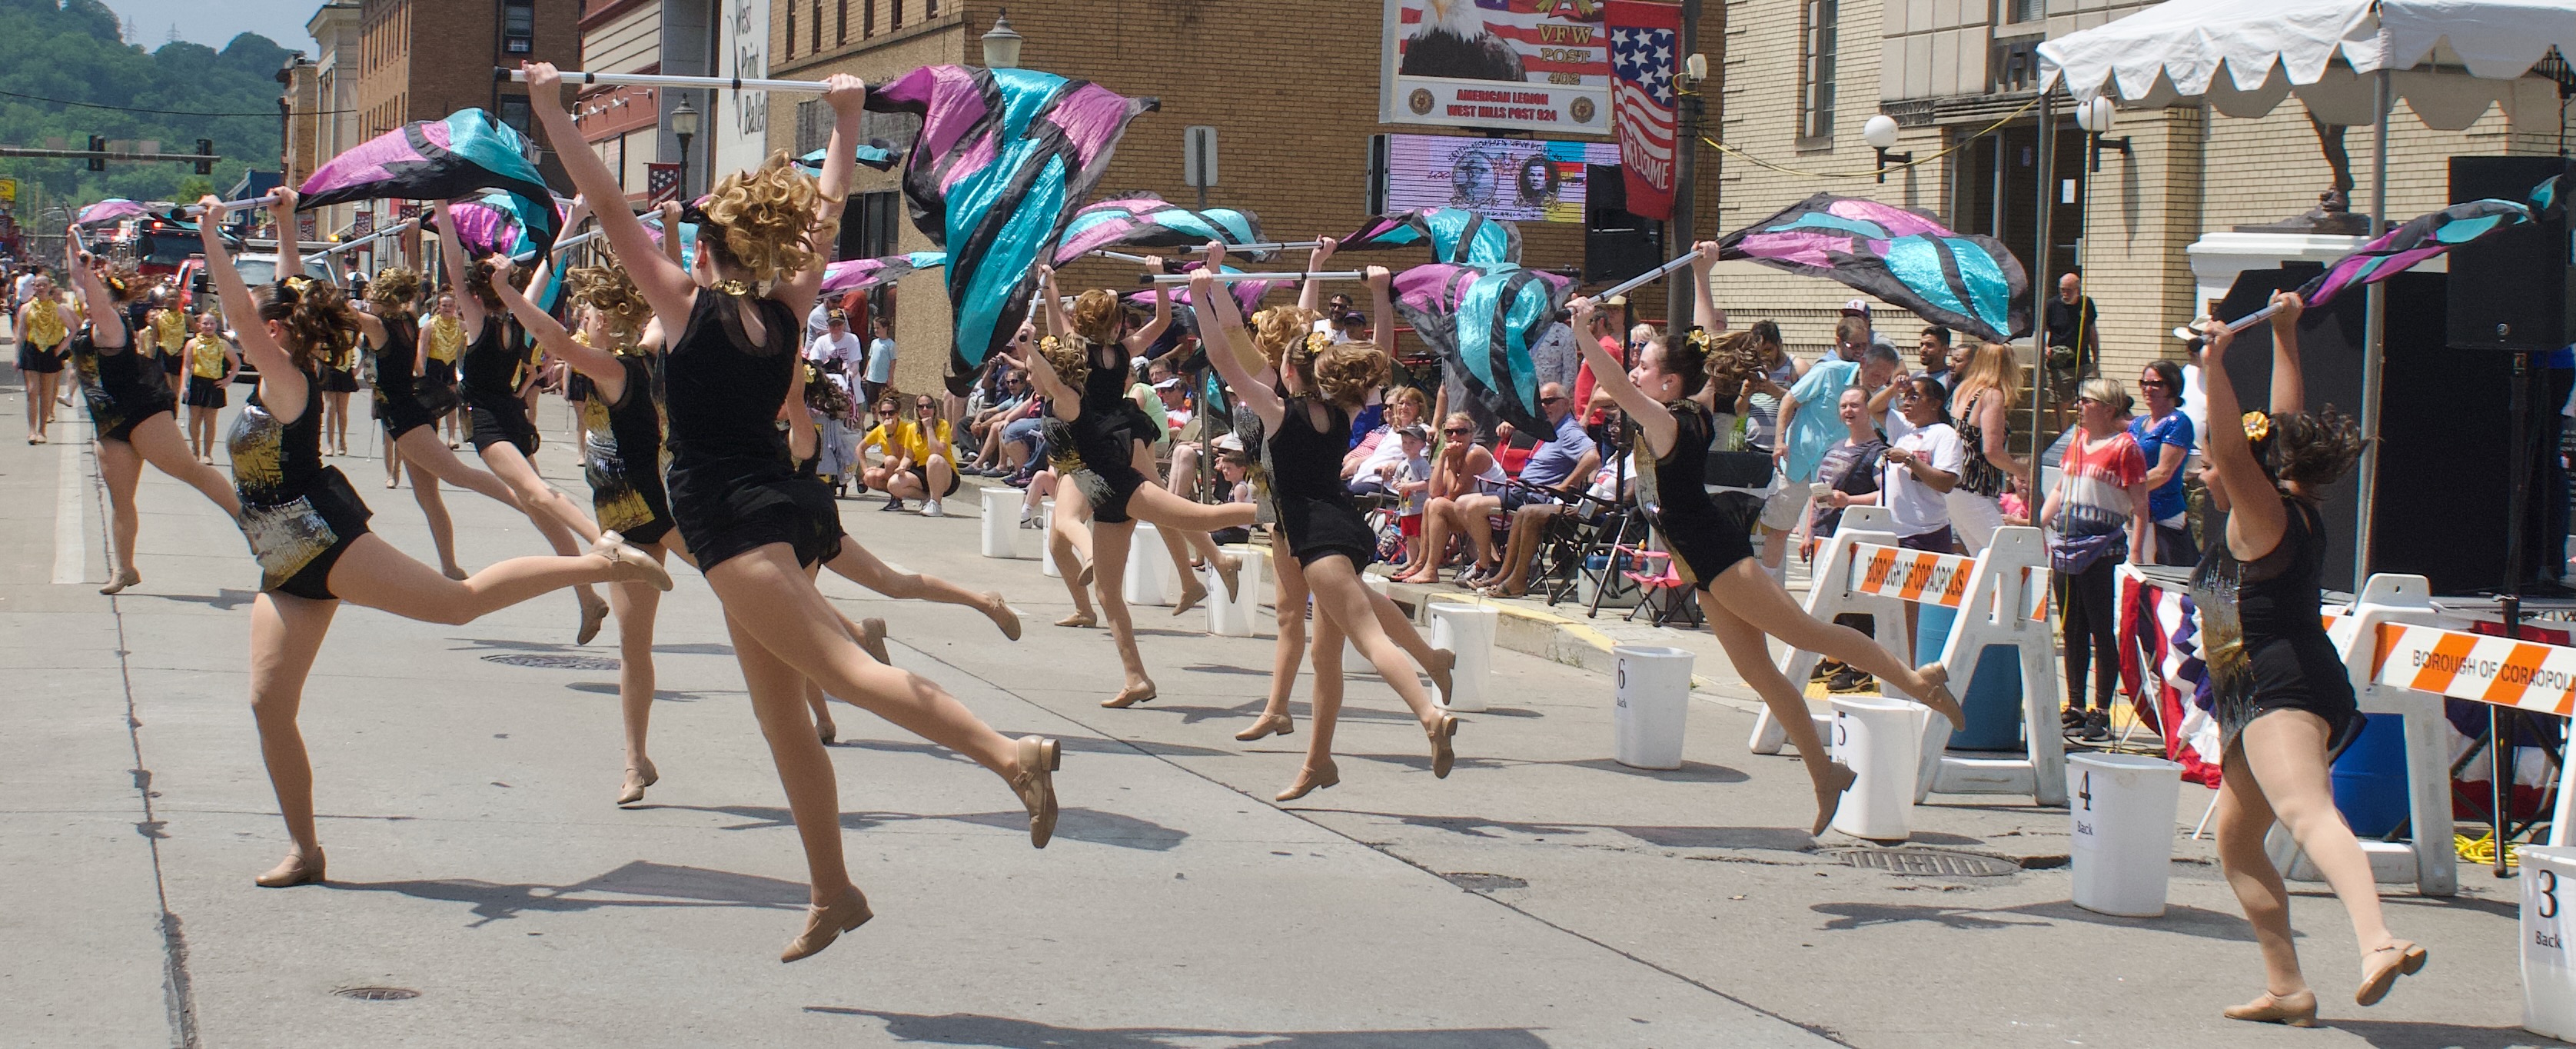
x=2099 y=515
x=836 y=351
x=880 y=370
x=1804 y=439
x=2191 y=396
x=1850 y=473
x=2164 y=437
x=1859 y=309
x=1768 y=388
x=1921 y=469
x=1607 y=327
x=1932 y=351
x=1983 y=407
x=2074 y=335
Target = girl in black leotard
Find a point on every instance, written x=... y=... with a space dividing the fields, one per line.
x=756 y=527
x=2285 y=704
x=1712 y=546
x=1309 y=430
x=1092 y=439
x=132 y=409
x=307 y=528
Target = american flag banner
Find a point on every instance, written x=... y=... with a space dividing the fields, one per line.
x=2158 y=623
x=1642 y=70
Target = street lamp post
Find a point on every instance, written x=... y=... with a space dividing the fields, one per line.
x=1002 y=43
x=684 y=126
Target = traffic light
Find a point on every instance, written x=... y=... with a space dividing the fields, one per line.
x=206 y=148
x=97 y=153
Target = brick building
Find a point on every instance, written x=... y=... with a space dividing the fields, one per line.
x=334 y=121
x=424 y=59
x=1294 y=113
x=631 y=127
x=1960 y=77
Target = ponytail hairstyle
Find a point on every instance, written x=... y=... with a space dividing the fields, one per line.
x=124 y=282
x=2314 y=449
x=1734 y=359
x=1344 y=372
x=314 y=319
x=393 y=291
x=478 y=283
x=763 y=220
x=611 y=291
x=1095 y=316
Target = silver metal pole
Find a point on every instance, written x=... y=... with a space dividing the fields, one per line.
x=1184 y=278
x=720 y=83
x=230 y=205
x=2043 y=162
x=2374 y=338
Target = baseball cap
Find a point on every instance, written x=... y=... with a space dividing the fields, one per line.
x=1856 y=307
x=2196 y=331
x=1417 y=431
x=1226 y=442
x=1168 y=384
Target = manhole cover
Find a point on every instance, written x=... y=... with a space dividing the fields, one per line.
x=1937 y=863
x=543 y=661
x=377 y=994
x=1474 y=881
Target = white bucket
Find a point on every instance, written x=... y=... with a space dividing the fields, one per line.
x=1467 y=631
x=1046 y=539
x=1882 y=741
x=2549 y=940
x=1654 y=704
x=1239 y=617
x=2122 y=807
x=1002 y=522
x=1150 y=579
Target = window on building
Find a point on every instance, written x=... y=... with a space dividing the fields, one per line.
x=929 y=8
x=867 y=18
x=818 y=25
x=519 y=26
x=841 y=23
x=515 y=112
x=895 y=7
x=791 y=30
x=2027 y=10
x=813 y=126
x=1816 y=69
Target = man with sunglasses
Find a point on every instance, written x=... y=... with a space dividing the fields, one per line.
x=1556 y=472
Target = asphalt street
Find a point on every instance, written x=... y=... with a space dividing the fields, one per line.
x=487 y=891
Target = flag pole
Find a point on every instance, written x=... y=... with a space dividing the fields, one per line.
x=200 y=209
x=1184 y=278
x=1648 y=277
x=735 y=83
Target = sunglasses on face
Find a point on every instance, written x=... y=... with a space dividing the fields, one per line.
x=2151 y=384
x=1554 y=400
x=1457 y=433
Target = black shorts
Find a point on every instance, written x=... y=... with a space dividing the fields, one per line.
x=313 y=581
x=339 y=380
x=39 y=361
x=922 y=474
x=399 y=412
x=1701 y=551
x=123 y=430
x=172 y=363
x=1935 y=541
x=504 y=424
x=204 y=392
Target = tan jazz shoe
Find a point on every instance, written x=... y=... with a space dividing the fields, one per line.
x=638 y=776
x=594 y=614
x=1268 y=725
x=826 y=924
x=2296 y=1010
x=125 y=577
x=1040 y=757
x=1939 y=697
x=1443 y=665
x=1078 y=619
x=1838 y=778
x=632 y=564
x=1191 y=594
x=2383 y=965
x=1002 y=616
x=872 y=638
x=1311 y=779
x=1229 y=571
x=295 y=869
x=1130 y=696
x=1444 y=752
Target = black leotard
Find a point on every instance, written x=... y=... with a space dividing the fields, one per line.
x=1706 y=534
x=733 y=486
x=490 y=370
x=298 y=514
x=2261 y=636
x=398 y=401
x=622 y=458
x=123 y=388
x=1315 y=508
x=1096 y=450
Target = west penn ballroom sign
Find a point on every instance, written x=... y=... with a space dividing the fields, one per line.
x=1527 y=65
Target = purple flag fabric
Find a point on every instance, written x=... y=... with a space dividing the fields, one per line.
x=1003 y=160
x=1456 y=235
x=450 y=159
x=1149 y=221
x=1904 y=258
x=850 y=275
x=106 y=211
x=2422 y=238
x=1482 y=320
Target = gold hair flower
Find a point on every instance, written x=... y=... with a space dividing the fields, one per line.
x=2257 y=426
x=1048 y=344
x=1317 y=342
x=1701 y=339
x=299 y=283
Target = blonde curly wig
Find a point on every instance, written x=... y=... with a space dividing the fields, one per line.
x=1070 y=356
x=1276 y=329
x=1095 y=315
x=765 y=218
x=1345 y=372
x=609 y=290
x=393 y=289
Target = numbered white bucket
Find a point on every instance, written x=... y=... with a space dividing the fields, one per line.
x=1882 y=741
x=1046 y=539
x=1150 y=577
x=2549 y=940
x=1467 y=631
x=1002 y=522
x=1654 y=703
x=2122 y=808
x=1239 y=617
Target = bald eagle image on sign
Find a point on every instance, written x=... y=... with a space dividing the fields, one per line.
x=1523 y=65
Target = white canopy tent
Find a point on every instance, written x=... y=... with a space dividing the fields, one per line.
x=2346 y=60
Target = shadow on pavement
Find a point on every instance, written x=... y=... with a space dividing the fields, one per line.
x=2190 y=921
x=660 y=695
x=1078 y=824
x=224 y=600
x=650 y=885
x=1770 y=839
x=1073 y=744
x=1002 y=1031
x=2393 y=1034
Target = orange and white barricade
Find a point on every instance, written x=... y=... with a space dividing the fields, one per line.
x=2001 y=599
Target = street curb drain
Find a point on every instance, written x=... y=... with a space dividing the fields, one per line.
x=1929 y=863
x=377 y=994
x=1477 y=881
x=543 y=661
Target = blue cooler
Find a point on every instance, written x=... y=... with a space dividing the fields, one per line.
x=1991 y=694
x=2370 y=777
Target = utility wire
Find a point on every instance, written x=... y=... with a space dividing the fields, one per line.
x=1963 y=144
x=167 y=112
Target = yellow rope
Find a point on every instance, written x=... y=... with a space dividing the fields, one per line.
x=2481 y=851
x=1873 y=173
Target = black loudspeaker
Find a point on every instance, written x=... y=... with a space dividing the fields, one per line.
x=2510 y=290
x=1616 y=245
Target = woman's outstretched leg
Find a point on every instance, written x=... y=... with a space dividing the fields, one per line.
x=1323 y=714
x=1747 y=649
x=2244 y=817
x=562 y=523
x=158 y=441
x=858 y=565
x=2286 y=750
x=804 y=769
x=285 y=634
x=1749 y=592
x=1173 y=513
x=433 y=507
x=372 y=573
x=1341 y=598
x=1110 y=544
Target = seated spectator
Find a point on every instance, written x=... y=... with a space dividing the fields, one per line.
x=1363 y=468
x=1235 y=467
x=1464 y=480
x=917 y=457
x=1558 y=470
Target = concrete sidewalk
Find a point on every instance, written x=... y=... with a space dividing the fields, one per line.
x=1543 y=895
